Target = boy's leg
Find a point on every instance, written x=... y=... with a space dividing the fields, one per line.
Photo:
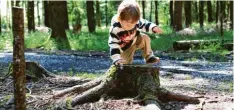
x=128 y=54
x=143 y=43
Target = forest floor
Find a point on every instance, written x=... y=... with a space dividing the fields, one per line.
x=210 y=81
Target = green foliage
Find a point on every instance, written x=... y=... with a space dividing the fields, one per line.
x=86 y=41
x=35 y=39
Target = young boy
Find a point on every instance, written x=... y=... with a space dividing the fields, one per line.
x=125 y=37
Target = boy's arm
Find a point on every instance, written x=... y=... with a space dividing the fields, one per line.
x=146 y=26
x=113 y=43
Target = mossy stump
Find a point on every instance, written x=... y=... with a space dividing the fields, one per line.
x=139 y=81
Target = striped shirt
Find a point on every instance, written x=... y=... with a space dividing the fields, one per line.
x=120 y=39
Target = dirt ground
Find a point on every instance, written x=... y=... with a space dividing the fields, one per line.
x=215 y=91
x=212 y=94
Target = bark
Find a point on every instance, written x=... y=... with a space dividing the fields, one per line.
x=151 y=8
x=78 y=88
x=143 y=8
x=156 y=12
x=201 y=13
x=98 y=13
x=58 y=9
x=106 y=14
x=217 y=11
x=188 y=14
x=178 y=15
x=30 y=16
x=171 y=13
x=17 y=3
x=139 y=81
x=91 y=16
x=33 y=71
x=209 y=9
x=222 y=13
x=196 y=11
x=187 y=44
x=0 y=22
x=18 y=58
x=231 y=14
x=38 y=14
x=46 y=13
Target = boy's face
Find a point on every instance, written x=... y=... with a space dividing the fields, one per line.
x=128 y=24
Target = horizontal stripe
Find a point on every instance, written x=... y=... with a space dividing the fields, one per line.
x=114 y=51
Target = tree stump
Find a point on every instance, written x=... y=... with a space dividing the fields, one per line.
x=139 y=81
x=33 y=71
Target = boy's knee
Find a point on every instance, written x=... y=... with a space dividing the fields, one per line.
x=146 y=37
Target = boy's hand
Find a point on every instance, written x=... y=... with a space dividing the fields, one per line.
x=157 y=30
x=120 y=62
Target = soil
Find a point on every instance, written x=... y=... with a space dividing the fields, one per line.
x=211 y=82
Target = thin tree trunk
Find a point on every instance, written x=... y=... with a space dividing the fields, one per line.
x=46 y=13
x=156 y=12
x=12 y=3
x=91 y=16
x=222 y=11
x=30 y=16
x=209 y=9
x=188 y=14
x=143 y=8
x=0 y=22
x=178 y=15
x=17 y=3
x=201 y=13
x=58 y=26
x=217 y=11
x=18 y=59
x=231 y=14
x=196 y=11
x=106 y=13
x=38 y=13
x=171 y=13
x=98 y=13
x=151 y=6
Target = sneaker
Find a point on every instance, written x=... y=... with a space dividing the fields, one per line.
x=152 y=59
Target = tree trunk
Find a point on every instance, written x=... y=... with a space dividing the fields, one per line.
x=38 y=13
x=66 y=15
x=156 y=12
x=188 y=14
x=171 y=13
x=196 y=10
x=231 y=14
x=58 y=10
x=143 y=8
x=209 y=9
x=0 y=22
x=30 y=16
x=46 y=13
x=18 y=58
x=106 y=13
x=91 y=16
x=188 y=44
x=222 y=12
x=139 y=81
x=201 y=13
x=98 y=13
x=178 y=15
x=17 y=3
x=217 y=11
x=151 y=8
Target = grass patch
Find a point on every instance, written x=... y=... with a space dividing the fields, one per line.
x=98 y=41
x=88 y=75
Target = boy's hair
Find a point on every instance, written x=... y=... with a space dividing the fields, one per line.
x=129 y=10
